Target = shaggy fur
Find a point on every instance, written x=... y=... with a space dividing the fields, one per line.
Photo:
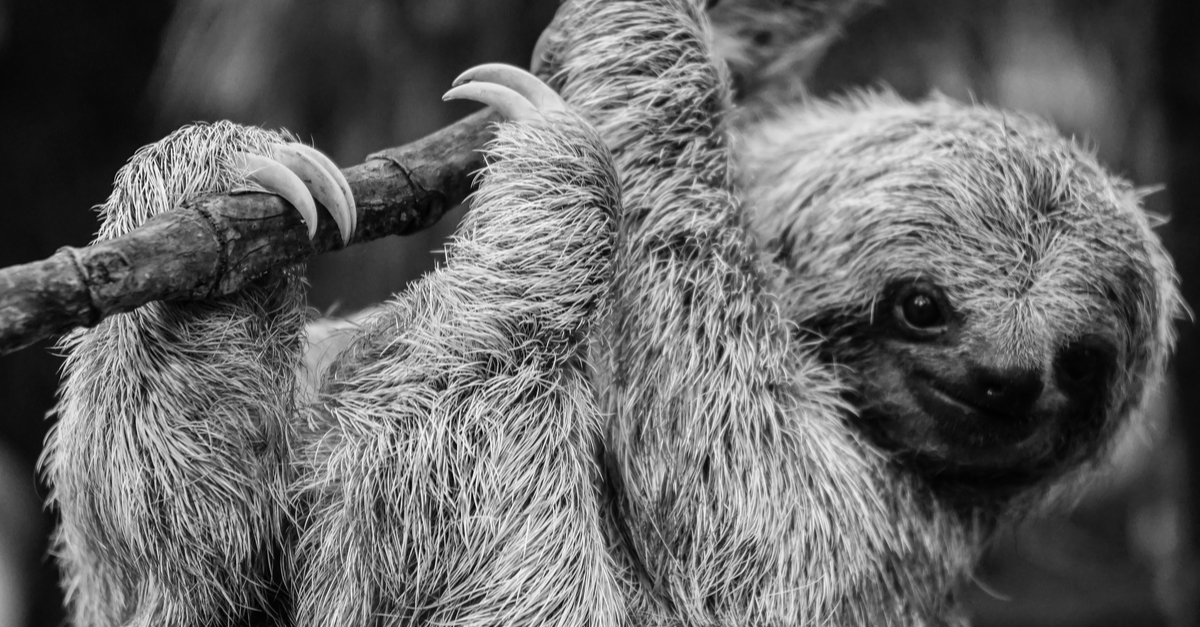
x=169 y=461
x=449 y=478
x=446 y=473
x=739 y=494
x=769 y=46
x=483 y=453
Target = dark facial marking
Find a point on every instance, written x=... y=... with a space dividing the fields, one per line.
x=1081 y=363
x=976 y=429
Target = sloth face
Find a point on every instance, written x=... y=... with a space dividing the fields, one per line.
x=956 y=403
x=995 y=301
x=988 y=364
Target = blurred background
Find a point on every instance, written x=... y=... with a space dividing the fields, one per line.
x=83 y=84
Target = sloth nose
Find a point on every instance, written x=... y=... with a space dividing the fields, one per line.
x=1008 y=391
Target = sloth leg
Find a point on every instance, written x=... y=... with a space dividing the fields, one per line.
x=169 y=460
x=451 y=477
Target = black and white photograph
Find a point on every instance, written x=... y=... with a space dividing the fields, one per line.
x=600 y=313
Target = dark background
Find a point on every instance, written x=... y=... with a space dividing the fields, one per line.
x=83 y=84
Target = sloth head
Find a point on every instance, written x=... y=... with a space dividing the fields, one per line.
x=995 y=301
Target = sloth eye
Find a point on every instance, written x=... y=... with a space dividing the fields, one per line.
x=921 y=311
x=919 y=307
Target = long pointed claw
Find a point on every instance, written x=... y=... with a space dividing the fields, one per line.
x=277 y=179
x=342 y=183
x=317 y=178
x=510 y=104
x=520 y=81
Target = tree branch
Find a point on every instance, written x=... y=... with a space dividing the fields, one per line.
x=216 y=244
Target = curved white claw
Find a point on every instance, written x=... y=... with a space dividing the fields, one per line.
x=538 y=93
x=330 y=188
x=342 y=183
x=277 y=179
x=510 y=104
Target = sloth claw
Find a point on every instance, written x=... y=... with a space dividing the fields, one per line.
x=277 y=179
x=299 y=174
x=510 y=104
x=531 y=87
x=323 y=180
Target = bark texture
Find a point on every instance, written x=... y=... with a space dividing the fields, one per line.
x=217 y=244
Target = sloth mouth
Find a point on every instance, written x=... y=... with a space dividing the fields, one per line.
x=965 y=425
x=937 y=400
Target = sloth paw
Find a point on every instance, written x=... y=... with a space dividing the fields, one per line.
x=301 y=174
x=518 y=95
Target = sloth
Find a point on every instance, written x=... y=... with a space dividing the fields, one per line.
x=672 y=372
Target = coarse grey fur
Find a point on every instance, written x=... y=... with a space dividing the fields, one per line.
x=718 y=466
x=195 y=490
x=448 y=473
x=169 y=460
x=1033 y=239
x=740 y=495
x=743 y=486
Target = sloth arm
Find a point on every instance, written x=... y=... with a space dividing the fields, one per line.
x=724 y=435
x=451 y=481
x=169 y=461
